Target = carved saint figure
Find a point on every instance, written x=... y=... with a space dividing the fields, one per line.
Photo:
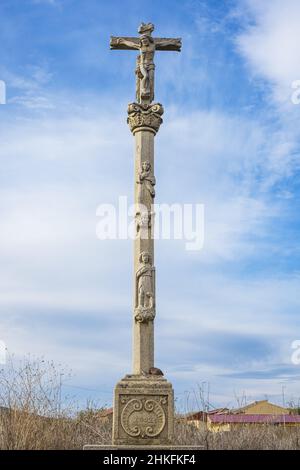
x=145 y=282
x=143 y=222
x=147 y=183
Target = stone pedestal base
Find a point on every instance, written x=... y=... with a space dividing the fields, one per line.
x=148 y=448
x=143 y=412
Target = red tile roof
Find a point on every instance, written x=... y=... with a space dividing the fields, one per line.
x=106 y=412
x=259 y=419
x=196 y=416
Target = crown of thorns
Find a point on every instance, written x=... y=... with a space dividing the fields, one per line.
x=146 y=28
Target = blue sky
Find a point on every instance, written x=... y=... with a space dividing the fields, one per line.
x=226 y=315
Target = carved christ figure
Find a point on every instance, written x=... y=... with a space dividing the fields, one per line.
x=144 y=66
x=147 y=45
x=145 y=70
x=147 y=182
x=145 y=282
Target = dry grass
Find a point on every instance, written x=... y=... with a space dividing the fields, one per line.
x=32 y=417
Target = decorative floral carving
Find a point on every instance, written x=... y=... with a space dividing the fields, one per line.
x=144 y=417
x=145 y=116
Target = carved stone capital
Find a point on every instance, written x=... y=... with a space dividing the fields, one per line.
x=145 y=117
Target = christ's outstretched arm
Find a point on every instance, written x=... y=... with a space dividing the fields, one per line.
x=124 y=43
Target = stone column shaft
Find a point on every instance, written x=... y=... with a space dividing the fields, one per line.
x=143 y=332
x=144 y=121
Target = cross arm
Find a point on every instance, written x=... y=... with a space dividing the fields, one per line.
x=168 y=44
x=133 y=43
x=127 y=43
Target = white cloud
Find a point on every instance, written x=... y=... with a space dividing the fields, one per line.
x=270 y=43
x=30 y=87
x=69 y=165
x=58 y=167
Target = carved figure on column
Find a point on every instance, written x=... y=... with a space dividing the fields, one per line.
x=145 y=286
x=143 y=222
x=146 y=193
x=146 y=182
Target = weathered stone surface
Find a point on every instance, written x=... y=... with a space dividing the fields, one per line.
x=143 y=411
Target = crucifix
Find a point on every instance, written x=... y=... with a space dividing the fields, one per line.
x=143 y=401
x=147 y=45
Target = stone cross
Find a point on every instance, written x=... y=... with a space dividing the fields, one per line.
x=147 y=45
x=143 y=403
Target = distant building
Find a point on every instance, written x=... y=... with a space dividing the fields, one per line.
x=258 y=413
x=227 y=422
x=195 y=418
x=199 y=418
x=106 y=415
x=262 y=407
